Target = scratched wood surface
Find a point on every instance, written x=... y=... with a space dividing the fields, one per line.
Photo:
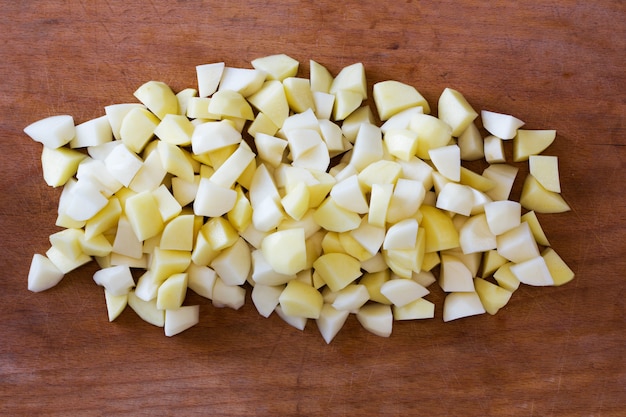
x=550 y=352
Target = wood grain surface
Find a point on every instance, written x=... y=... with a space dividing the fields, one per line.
x=555 y=351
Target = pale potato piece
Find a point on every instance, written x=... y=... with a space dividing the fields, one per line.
x=545 y=169
x=243 y=81
x=147 y=310
x=376 y=318
x=533 y=271
x=143 y=214
x=392 y=97
x=454 y=275
x=53 y=132
x=536 y=198
x=517 y=244
x=209 y=76
x=494 y=150
x=299 y=94
x=501 y=125
x=418 y=309
x=330 y=321
x=59 y=165
x=92 y=133
x=559 y=271
x=491 y=296
x=231 y=296
x=301 y=300
x=285 y=250
x=531 y=142
x=350 y=78
x=228 y=103
x=233 y=264
x=321 y=78
x=337 y=269
x=454 y=109
x=180 y=319
x=278 y=67
x=175 y=129
x=115 y=304
x=476 y=236
x=432 y=133
x=402 y=291
x=461 y=304
x=158 y=97
x=471 y=143
x=137 y=128
x=172 y=291
x=440 y=231
x=43 y=274
x=272 y=101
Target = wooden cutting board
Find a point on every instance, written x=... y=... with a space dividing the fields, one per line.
x=555 y=351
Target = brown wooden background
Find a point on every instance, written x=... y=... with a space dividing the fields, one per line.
x=551 y=352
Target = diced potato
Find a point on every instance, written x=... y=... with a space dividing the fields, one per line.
x=501 y=125
x=137 y=128
x=391 y=97
x=143 y=213
x=440 y=231
x=545 y=169
x=158 y=97
x=175 y=129
x=418 y=309
x=350 y=78
x=278 y=67
x=228 y=103
x=43 y=274
x=330 y=321
x=147 y=310
x=53 y=132
x=402 y=291
x=491 y=296
x=531 y=142
x=285 y=251
x=115 y=304
x=432 y=133
x=299 y=94
x=337 y=269
x=533 y=271
x=209 y=76
x=517 y=244
x=321 y=78
x=454 y=109
x=243 y=81
x=301 y=300
x=461 y=304
x=180 y=319
x=272 y=101
x=376 y=318
x=559 y=271
x=92 y=132
x=59 y=164
x=335 y=218
x=172 y=291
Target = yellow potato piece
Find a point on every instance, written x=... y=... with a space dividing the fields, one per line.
x=337 y=269
x=172 y=292
x=439 y=229
x=561 y=273
x=143 y=213
x=158 y=97
x=535 y=197
x=299 y=299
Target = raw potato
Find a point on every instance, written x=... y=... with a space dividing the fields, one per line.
x=229 y=186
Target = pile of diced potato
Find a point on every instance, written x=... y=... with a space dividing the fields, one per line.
x=287 y=186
